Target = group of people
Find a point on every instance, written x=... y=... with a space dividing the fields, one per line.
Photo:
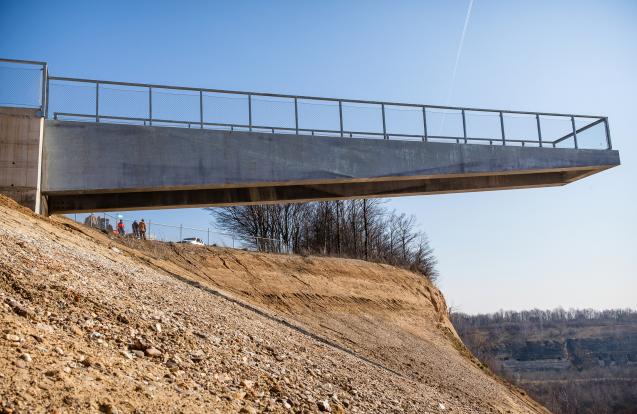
x=139 y=229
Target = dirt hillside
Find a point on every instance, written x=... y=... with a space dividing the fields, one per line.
x=89 y=324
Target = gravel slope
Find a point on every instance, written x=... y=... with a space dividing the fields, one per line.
x=89 y=325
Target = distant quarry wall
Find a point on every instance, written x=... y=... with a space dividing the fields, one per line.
x=585 y=365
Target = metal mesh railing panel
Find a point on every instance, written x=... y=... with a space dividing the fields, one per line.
x=20 y=85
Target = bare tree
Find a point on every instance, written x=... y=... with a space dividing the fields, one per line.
x=362 y=229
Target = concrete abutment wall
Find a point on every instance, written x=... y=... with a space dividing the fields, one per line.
x=21 y=135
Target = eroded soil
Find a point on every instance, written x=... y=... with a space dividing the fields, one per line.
x=89 y=324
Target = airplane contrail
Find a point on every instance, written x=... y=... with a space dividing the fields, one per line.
x=455 y=66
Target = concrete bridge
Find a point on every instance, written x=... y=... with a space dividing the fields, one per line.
x=57 y=160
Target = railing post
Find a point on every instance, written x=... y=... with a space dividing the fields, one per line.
x=150 y=105
x=340 y=114
x=608 y=143
x=424 y=124
x=201 y=109
x=45 y=91
x=539 y=129
x=296 y=115
x=464 y=127
x=97 y=102
x=250 y=112
x=382 y=107
x=181 y=228
x=574 y=131
x=208 y=229
x=504 y=142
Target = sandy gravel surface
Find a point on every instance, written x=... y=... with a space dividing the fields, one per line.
x=89 y=325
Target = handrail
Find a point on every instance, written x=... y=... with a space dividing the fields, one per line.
x=584 y=128
x=339 y=103
x=57 y=115
x=313 y=98
x=502 y=138
x=27 y=62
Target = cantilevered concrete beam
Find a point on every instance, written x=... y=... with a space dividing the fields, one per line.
x=92 y=167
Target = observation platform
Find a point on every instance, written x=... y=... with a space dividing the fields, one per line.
x=80 y=145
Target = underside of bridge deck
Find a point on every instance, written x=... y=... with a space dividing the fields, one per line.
x=66 y=203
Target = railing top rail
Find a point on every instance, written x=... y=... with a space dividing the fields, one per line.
x=25 y=62
x=317 y=98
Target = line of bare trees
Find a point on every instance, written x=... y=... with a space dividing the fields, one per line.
x=362 y=229
x=542 y=315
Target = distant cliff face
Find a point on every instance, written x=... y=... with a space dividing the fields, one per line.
x=569 y=354
x=573 y=362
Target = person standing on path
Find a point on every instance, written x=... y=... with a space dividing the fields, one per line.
x=136 y=229
x=142 y=230
x=120 y=228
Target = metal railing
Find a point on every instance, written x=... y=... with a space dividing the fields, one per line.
x=18 y=85
x=179 y=106
x=177 y=233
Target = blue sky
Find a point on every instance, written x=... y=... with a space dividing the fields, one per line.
x=572 y=246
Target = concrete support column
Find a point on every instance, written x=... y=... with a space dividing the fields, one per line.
x=21 y=133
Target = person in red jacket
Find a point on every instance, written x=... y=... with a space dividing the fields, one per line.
x=120 y=228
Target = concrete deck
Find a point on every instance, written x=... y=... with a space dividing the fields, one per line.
x=93 y=167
